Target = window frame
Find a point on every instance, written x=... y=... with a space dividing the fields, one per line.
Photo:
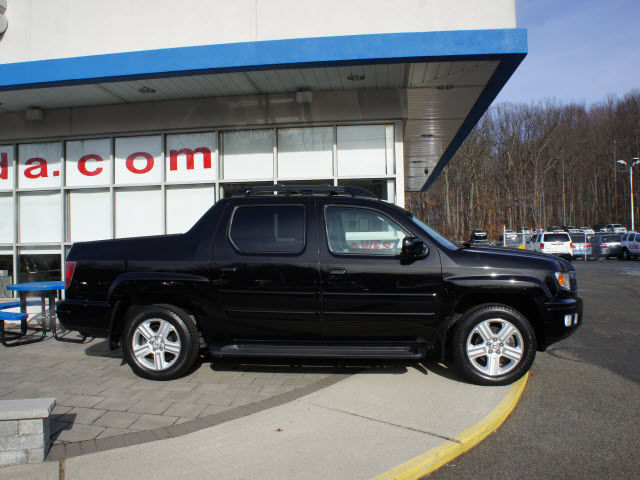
x=262 y=253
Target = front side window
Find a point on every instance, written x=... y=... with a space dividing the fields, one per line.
x=362 y=231
x=268 y=229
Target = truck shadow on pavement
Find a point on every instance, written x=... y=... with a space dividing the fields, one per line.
x=321 y=366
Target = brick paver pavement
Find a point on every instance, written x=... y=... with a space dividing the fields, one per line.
x=98 y=396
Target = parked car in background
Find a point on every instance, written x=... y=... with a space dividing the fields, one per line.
x=630 y=245
x=510 y=240
x=616 y=228
x=587 y=230
x=554 y=243
x=525 y=230
x=580 y=245
x=478 y=236
x=570 y=229
x=554 y=228
x=606 y=245
x=600 y=228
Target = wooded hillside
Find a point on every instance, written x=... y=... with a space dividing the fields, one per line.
x=539 y=165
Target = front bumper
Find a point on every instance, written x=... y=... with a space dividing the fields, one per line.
x=561 y=318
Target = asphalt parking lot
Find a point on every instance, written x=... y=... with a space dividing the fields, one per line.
x=579 y=416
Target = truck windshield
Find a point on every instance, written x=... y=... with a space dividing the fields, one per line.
x=445 y=242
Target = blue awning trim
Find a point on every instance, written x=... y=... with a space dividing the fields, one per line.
x=264 y=55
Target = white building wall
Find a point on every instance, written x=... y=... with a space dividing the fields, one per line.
x=46 y=29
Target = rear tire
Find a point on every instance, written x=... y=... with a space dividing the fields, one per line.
x=625 y=254
x=493 y=345
x=160 y=342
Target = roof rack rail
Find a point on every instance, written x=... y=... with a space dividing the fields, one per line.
x=305 y=190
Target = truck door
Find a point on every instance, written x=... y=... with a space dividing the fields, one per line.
x=369 y=291
x=265 y=268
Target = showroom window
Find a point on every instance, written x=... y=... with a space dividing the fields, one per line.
x=305 y=152
x=57 y=192
x=365 y=150
x=186 y=204
x=40 y=217
x=39 y=264
x=139 y=212
x=6 y=223
x=89 y=215
x=6 y=271
x=268 y=229
x=191 y=157
x=247 y=154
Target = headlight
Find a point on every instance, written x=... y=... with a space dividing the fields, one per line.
x=564 y=280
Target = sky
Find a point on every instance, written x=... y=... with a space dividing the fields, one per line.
x=579 y=51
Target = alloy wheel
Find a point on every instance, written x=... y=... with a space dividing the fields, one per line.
x=156 y=344
x=494 y=347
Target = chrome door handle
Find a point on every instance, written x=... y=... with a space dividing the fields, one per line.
x=228 y=271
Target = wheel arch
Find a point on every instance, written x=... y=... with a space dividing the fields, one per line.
x=522 y=303
x=132 y=291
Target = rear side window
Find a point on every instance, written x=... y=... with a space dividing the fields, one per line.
x=268 y=229
x=578 y=238
x=610 y=238
x=557 y=237
x=632 y=237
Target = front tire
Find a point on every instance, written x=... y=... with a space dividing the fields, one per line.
x=493 y=345
x=160 y=342
x=625 y=254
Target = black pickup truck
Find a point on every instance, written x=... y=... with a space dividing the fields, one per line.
x=318 y=272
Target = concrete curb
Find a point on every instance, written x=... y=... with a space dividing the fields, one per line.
x=430 y=461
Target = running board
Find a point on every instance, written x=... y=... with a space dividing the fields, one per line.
x=325 y=351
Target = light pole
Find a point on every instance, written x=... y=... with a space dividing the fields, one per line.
x=634 y=161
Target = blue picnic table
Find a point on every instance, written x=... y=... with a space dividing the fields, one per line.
x=48 y=292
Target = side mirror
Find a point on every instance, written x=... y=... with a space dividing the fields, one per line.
x=414 y=247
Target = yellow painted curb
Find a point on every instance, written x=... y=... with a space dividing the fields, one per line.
x=430 y=461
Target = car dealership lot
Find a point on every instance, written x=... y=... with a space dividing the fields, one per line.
x=575 y=418
x=579 y=415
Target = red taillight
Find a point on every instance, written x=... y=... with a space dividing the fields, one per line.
x=604 y=246
x=573 y=246
x=541 y=246
x=588 y=245
x=68 y=273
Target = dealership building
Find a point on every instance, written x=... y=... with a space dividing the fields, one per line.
x=124 y=118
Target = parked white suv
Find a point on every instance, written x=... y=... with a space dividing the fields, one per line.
x=554 y=243
x=616 y=228
x=630 y=245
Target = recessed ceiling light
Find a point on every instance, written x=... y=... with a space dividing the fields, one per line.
x=427 y=135
x=147 y=90
x=355 y=77
x=446 y=86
